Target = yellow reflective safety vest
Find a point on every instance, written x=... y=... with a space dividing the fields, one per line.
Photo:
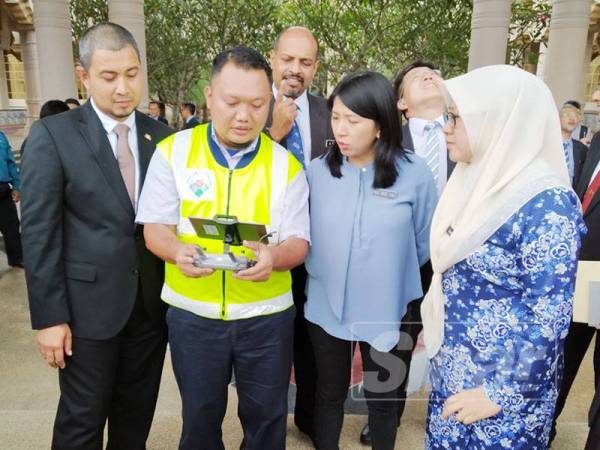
x=254 y=193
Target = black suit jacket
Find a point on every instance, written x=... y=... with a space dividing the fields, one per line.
x=163 y=120
x=191 y=124
x=590 y=247
x=320 y=125
x=579 y=155
x=84 y=256
x=407 y=143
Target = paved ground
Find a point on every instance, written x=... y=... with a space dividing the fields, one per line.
x=29 y=392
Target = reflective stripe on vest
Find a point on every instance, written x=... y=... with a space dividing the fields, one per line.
x=255 y=193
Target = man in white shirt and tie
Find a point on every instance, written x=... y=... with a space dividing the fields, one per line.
x=421 y=101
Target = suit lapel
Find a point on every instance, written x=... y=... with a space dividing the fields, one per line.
x=95 y=135
x=146 y=145
x=586 y=173
x=407 y=141
x=270 y=116
x=593 y=157
x=593 y=204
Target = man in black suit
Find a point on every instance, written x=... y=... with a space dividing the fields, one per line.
x=581 y=132
x=421 y=101
x=154 y=112
x=94 y=289
x=575 y=151
x=581 y=334
x=188 y=112
x=300 y=122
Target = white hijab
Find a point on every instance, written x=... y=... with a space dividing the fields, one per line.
x=514 y=131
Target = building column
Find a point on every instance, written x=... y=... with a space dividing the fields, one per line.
x=3 y=83
x=31 y=69
x=130 y=14
x=489 y=32
x=587 y=64
x=567 y=42
x=5 y=40
x=54 y=49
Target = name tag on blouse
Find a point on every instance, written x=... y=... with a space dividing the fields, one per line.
x=385 y=193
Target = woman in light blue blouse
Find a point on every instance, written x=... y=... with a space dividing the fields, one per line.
x=371 y=206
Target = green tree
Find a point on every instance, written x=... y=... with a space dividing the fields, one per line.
x=528 y=29
x=182 y=38
x=84 y=14
x=384 y=35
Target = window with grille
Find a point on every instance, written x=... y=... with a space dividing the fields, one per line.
x=15 y=77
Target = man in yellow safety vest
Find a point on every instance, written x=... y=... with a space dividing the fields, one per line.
x=222 y=319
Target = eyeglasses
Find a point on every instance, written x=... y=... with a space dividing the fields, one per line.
x=450 y=118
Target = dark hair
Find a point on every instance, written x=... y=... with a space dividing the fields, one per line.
x=72 y=101
x=104 y=36
x=573 y=103
x=243 y=57
x=154 y=102
x=371 y=95
x=413 y=65
x=52 y=107
x=190 y=107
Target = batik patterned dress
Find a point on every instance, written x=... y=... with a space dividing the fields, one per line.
x=508 y=307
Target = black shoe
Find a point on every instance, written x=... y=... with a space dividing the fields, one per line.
x=365 y=436
x=309 y=433
x=18 y=265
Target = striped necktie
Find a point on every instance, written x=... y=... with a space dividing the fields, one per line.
x=569 y=158
x=432 y=149
x=294 y=143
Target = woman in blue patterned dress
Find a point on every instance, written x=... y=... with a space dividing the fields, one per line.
x=504 y=244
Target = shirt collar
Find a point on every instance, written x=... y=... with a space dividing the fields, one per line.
x=417 y=125
x=249 y=148
x=109 y=123
x=188 y=119
x=301 y=101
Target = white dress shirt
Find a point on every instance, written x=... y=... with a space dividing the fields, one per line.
x=596 y=170
x=109 y=124
x=303 y=121
x=419 y=138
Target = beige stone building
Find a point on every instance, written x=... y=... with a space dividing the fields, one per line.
x=38 y=62
x=570 y=64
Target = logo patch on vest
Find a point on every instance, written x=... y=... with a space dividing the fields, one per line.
x=200 y=185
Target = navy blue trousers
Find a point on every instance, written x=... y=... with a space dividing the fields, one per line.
x=259 y=350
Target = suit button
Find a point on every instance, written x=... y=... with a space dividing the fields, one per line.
x=135 y=271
